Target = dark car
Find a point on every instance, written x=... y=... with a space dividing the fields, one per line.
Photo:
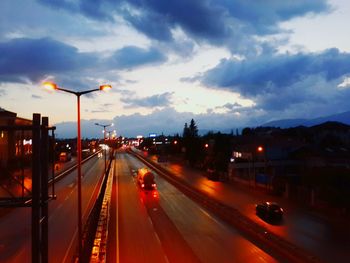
x=212 y=174
x=269 y=210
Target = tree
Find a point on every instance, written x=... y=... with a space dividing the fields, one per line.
x=186 y=131
x=191 y=142
x=193 y=130
x=247 y=131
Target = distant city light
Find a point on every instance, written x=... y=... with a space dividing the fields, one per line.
x=27 y=142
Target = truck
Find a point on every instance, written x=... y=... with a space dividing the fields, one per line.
x=145 y=179
x=65 y=156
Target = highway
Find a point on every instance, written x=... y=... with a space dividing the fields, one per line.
x=166 y=226
x=322 y=237
x=15 y=234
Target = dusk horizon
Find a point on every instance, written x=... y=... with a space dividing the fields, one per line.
x=225 y=64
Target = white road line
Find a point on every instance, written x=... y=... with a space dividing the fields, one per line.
x=117 y=211
x=70 y=246
x=211 y=217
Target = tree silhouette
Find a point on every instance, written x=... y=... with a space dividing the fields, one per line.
x=191 y=142
x=193 y=130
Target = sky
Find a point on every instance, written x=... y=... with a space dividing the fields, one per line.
x=227 y=64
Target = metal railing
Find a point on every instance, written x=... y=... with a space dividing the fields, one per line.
x=28 y=174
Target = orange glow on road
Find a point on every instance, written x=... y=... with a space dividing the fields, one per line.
x=28 y=183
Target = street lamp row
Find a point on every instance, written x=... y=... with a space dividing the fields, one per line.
x=53 y=86
x=104 y=138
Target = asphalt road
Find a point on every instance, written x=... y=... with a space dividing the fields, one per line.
x=328 y=238
x=15 y=226
x=166 y=226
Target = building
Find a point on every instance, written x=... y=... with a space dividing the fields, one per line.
x=15 y=143
x=310 y=164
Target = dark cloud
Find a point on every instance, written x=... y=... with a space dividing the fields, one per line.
x=159 y=100
x=272 y=74
x=131 y=56
x=31 y=59
x=99 y=10
x=230 y=106
x=61 y=4
x=157 y=18
x=287 y=85
x=214 y=21
x=36 y=97
x=107 y=105
x=264 y=16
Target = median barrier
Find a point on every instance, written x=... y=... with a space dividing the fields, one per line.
x=271 y=242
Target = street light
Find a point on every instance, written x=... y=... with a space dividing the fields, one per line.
x=54 y=86
x=104 y=138
x=111 y=134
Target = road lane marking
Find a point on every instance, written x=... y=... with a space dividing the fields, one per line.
x=212 y=217
x=70 y=246
x=117 y=211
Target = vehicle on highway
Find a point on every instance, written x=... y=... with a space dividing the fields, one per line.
x=269 y=210
x=145 y=179
x=65 y=156
x=213 y=174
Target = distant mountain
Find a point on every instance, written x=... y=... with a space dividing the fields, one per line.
x=288 y=123
x=285 y=123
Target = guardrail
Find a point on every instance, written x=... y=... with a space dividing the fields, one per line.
x=91 y=225
x=59 y=176
x=278 y=245
x=99 y=248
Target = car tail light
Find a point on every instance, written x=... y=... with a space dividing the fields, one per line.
x=142 y=185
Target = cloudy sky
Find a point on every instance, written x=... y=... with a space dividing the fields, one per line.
x=226 y=63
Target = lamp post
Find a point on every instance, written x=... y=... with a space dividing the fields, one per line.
x=54 y=86
x=104 y=138
x=258 y=151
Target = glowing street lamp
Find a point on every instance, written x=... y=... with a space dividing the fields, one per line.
x=53 y=86
x=104 y=138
